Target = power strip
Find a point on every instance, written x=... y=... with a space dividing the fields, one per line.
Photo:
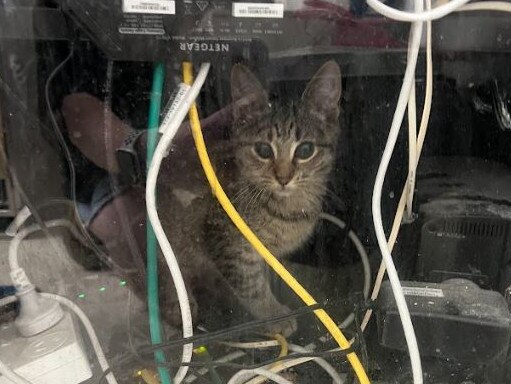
x=54 y=356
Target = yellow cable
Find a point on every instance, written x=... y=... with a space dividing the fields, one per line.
x=277 y=266
x=284 y=348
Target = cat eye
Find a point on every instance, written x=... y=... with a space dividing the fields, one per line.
x=263 y=150
x=304 y=150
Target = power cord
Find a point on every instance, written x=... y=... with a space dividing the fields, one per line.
x=41 y=311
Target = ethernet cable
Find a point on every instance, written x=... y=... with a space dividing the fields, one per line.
x=295 y=348
x=257 y=244
x=152 y=177
x=153 y=304
x=397 y=290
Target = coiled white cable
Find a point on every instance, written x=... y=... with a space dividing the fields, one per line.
x=152 y=177
x=409 y=78
x=287 y=363
x=241 y=376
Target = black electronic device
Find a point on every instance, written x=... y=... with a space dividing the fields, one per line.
x=459 y=326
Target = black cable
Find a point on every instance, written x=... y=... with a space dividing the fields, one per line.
x=207 y=337
x=210 y=336
x=293 y=356
x=340 y=353
x=67 y=155
x=58 y=133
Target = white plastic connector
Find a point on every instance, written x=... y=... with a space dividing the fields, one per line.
x=37 y=314
x=56 y=356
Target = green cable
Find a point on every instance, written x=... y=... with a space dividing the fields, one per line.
x=152 y=244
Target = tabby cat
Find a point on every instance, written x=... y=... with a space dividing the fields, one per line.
x=283 y=154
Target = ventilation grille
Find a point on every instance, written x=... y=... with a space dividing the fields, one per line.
x=463 y=227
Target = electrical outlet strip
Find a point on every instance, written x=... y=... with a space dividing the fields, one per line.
x=54 y=356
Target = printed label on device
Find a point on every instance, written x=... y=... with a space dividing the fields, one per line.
x=423 y=292
x=260 y=10
x=170 y=110
x=167 y=7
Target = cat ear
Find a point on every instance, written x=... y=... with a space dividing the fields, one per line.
x=248 y=95
x=323 y=92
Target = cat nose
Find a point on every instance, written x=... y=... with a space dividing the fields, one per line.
x=284 y=179
x=284 y=172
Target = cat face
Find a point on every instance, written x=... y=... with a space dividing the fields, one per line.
x=286 y=151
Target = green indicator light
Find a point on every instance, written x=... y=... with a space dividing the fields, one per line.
x=102 y=289
x=81 y=296
x=122 y=283
x=200 y=350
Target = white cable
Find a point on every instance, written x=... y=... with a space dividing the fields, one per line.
x=363 y=257
x=168 y=253
x=90 y=331
x=224 y=359
x=7 y=300
x=411 y=340
x=501 y=6
x=440 y=11
x=15 y=242
x=18 y=221
x=242 y=376
x=435 y=13
x=23 y=281
x=420 y=142
x=412 y=150
x=287 y=363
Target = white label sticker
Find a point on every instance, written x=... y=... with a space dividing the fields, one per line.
x=260 y=10
x=167 y=7
x=170 y=110
x=423 y=292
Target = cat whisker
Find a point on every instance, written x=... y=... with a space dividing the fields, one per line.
x=240 y=194
x=252 y=201
x=250 y=196
x=254 y=204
